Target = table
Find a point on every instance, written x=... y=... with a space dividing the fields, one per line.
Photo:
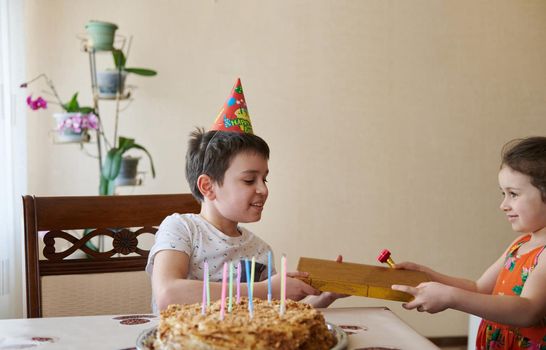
x=376 y=327
x=366 y=326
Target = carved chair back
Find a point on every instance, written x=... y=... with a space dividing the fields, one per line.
x=109 y=281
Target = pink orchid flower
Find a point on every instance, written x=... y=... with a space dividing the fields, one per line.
x=77 y=123
x=37 y=103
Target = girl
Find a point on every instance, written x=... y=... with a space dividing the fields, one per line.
x=511 y=294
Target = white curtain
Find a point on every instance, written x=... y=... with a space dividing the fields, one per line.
x=12 y=158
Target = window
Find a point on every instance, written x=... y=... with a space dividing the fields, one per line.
x=12 y=157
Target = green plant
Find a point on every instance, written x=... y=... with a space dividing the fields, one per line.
x=120 y=60
x=73 y=106
x=112 y=164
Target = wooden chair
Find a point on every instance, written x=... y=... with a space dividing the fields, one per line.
x=108 y=282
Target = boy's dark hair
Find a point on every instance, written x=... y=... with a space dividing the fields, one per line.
x=528 y=156
x=211 y=153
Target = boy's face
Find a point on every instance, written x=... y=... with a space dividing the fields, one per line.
x=522 y=202
x=242 y=196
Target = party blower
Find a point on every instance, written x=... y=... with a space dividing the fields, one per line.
x=385 y=258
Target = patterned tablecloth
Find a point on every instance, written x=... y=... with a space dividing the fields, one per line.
x=368 y=328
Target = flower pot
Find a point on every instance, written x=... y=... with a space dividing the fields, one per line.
x=110 y=82
x=101 y=35
x=128 y=172
x=68 y=135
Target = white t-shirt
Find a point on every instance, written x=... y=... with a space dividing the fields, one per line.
x=200 y=240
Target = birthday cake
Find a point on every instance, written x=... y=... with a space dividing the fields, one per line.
x=300 y=327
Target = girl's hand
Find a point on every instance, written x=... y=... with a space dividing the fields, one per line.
x=408 y=265
x=431 y=297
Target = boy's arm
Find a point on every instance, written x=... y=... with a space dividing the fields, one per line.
x=170 y=285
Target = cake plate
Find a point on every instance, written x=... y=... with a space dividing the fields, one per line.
x=145 y=339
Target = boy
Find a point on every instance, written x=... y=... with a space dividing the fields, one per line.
x=227 y=171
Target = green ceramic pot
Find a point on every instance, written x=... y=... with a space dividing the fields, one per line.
x=101 y=35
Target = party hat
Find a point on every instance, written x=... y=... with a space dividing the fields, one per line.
x=234 y=115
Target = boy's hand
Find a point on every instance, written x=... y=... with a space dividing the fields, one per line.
x=326 y=298
x=295 y=288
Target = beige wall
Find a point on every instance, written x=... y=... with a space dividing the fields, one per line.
x=385 y=118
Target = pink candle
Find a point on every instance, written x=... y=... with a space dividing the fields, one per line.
x=204 y=305
x=207 y=282
x=224 y=287
x=239 y=282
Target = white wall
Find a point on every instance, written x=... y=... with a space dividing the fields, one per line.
x=385 y=118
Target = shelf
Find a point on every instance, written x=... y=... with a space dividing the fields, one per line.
x=119 y=41
x=126 y=96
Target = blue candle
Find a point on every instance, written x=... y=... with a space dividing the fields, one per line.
x=269 y=277
x=247 y=270
x=252 y=269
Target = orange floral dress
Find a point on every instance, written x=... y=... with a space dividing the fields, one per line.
x=511 y=279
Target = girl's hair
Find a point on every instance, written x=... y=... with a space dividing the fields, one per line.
x=211 y=153
x=528 y=156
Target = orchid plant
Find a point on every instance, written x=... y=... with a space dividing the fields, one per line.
x=84 y=117
x=78 y=123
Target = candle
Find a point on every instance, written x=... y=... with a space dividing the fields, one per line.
x=204 y=304
x=239 y=282
x=283 y=284
x=252 y=277
x=247 y=270
x=207 y=282
x=224 y=286
x=269 y=277
x=230 y=286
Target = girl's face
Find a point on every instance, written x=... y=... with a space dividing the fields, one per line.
x=522 y=202
x=242 y=196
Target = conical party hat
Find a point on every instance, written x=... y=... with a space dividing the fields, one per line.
x=234 y=115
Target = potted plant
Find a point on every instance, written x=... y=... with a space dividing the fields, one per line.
x=112 y=81
x=101 y=35
x=74 y=122
x=128 y=171
x=114 y=162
